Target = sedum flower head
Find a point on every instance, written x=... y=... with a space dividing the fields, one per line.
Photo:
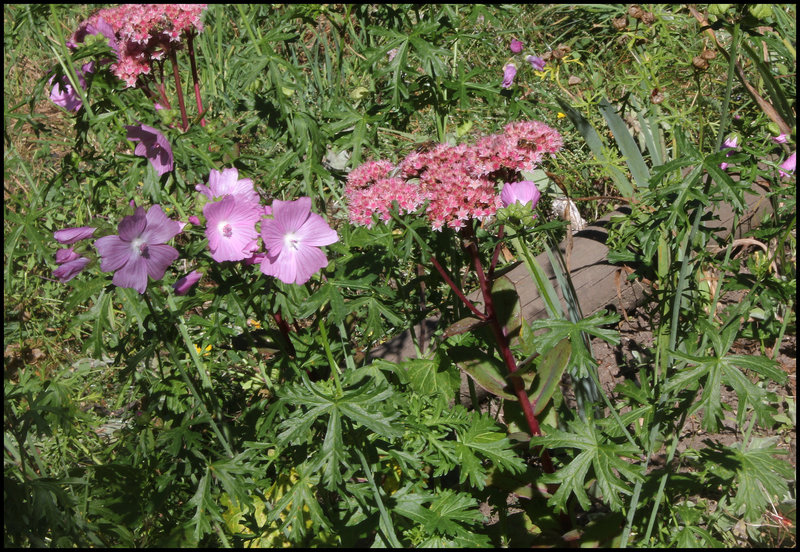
x=140 y=249
x=153 y=145
x=293 y=238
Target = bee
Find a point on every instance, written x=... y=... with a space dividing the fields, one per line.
x=425 y=147
x=528 y=144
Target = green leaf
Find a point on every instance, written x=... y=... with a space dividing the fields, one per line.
x=548 y=375
x=628 y=147
x=482 y=438
x=763 y=479
x=425 y=376
x=597 y=452
x=485 y=369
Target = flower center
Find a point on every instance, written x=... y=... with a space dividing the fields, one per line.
x=225 y=228
x=292 y=241
x=140 y=247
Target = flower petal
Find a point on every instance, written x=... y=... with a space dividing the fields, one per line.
x=114 y=253
x=132 y=275
x=316 y=232
x=132 y=226
x=160 y=228
x=158 y=258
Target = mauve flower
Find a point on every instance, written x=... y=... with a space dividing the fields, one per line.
x=62 y=93
x=781 y=138
x=69 y=269
x=194 y=220
x=139 y=250
x=231 y=228
x=522 y=192
x=183 y=285
x=391 y=53
x=788 y=166
x=153 y=145
x=509 y=72
x=227 y=182
x=516 y=46
x=293 y=238
x=536 y=62
x=67 y=236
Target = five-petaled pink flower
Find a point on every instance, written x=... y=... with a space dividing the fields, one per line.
x=227 y=182
x=64 y=95
x=522 y=192
x=293 y=238
x=509 y=72
x=788 y=166
x=153 y=145
x=231 y=228
x=140 y=249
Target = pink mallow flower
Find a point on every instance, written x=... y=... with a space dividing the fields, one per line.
x=509 y=72
x=231 y=228
x=781 y=138
x=139 y=250
x=153 y=145
x=183 y=285
x=227 y=182
x=64 y=95
x=293 y=238
x=516 y=46
x=788 y=166
x=520 y=192
x=67 y=236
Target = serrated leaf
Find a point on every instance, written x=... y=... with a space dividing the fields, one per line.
x=604 y=457
x=482 y=438
x=762 y=478
x=425 y=377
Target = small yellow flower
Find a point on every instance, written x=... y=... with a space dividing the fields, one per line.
x=255 y=323
x=561 y=115
x=205 y=352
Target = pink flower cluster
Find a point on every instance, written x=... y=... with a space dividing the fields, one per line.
x=457 y=183
x=141 y=33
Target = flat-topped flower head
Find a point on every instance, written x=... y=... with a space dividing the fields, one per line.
x=231 y=228
x=153 y=145
x=227 y=182
x=293 y=238
x=140 y=249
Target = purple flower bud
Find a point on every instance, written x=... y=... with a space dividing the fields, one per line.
x=516 y=46
x=183 y=285
x=194 y=220
x=781 y=138
x=68 y=236
x=65 y=255
x=70 y=269
x=509 y=72
x=536 y=62
x=522 y=192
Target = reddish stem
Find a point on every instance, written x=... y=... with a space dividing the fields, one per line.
x=505 y=348
x=195 y=79
x=456 y=289
x=174 y=59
